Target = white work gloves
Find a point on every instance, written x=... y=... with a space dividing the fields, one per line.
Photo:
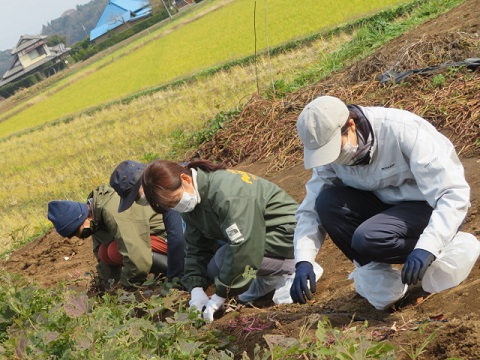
x=199 y=298
x=214 y=304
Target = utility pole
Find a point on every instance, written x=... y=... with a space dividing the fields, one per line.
x=83 y=27
x=166 y=8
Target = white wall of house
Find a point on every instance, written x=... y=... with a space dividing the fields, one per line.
x=31 y=55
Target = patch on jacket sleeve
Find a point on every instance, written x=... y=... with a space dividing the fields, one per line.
x=234 y=234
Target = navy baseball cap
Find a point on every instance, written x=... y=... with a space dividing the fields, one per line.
x=126 y=181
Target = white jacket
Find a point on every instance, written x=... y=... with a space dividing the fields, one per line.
x=410 y=161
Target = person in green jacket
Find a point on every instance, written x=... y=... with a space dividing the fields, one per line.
x=122 y=241
x=254 y=217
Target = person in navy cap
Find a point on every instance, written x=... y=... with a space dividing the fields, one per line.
x=129 y=244
x=126 y=181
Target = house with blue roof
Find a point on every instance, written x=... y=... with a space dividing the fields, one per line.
x=117 y=15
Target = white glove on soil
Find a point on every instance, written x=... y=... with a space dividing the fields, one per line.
x=214 y=304
x=198 y=298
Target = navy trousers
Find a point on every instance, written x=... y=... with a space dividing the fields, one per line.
x=365 y=229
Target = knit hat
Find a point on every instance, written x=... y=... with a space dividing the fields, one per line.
x=126 y=181
x=319 y=127
x=67 y=216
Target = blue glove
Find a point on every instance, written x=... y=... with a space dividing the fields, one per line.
x=415 y=266
x=299 y=290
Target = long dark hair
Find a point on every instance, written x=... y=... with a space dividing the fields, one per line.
x=161 y=177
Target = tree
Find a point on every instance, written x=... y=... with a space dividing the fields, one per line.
x=56 y=39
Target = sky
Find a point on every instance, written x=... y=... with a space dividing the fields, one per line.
x=19 y=17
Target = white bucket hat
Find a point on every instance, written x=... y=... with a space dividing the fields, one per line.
x=319 y=127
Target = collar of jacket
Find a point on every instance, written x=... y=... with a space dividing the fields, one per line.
x=366 y=138
x=100 y=196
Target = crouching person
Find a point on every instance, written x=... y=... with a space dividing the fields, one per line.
x=122 y=242
x=387 y=188
x=254 y=217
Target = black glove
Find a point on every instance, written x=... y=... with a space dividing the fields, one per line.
x=415 y=266
x=299 y=290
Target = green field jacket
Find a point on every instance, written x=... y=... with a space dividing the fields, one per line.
x=252 y=215
x=131 y=229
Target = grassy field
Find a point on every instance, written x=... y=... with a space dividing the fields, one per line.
x=67 y=160
x=164 y=55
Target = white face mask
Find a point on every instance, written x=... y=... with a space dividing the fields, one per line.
x=347 y=153
x=142 y=200
x=187 y=203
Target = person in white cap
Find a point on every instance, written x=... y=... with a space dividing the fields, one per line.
x=387 y=188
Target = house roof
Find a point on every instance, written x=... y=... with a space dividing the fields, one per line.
x=16 y=69
x=119 y=12
x=27 y=40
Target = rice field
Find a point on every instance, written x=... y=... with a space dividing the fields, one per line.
x=233 y=30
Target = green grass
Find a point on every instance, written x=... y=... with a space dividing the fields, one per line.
x=222 y=35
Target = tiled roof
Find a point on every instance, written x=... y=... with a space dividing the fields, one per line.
x=27 y=40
